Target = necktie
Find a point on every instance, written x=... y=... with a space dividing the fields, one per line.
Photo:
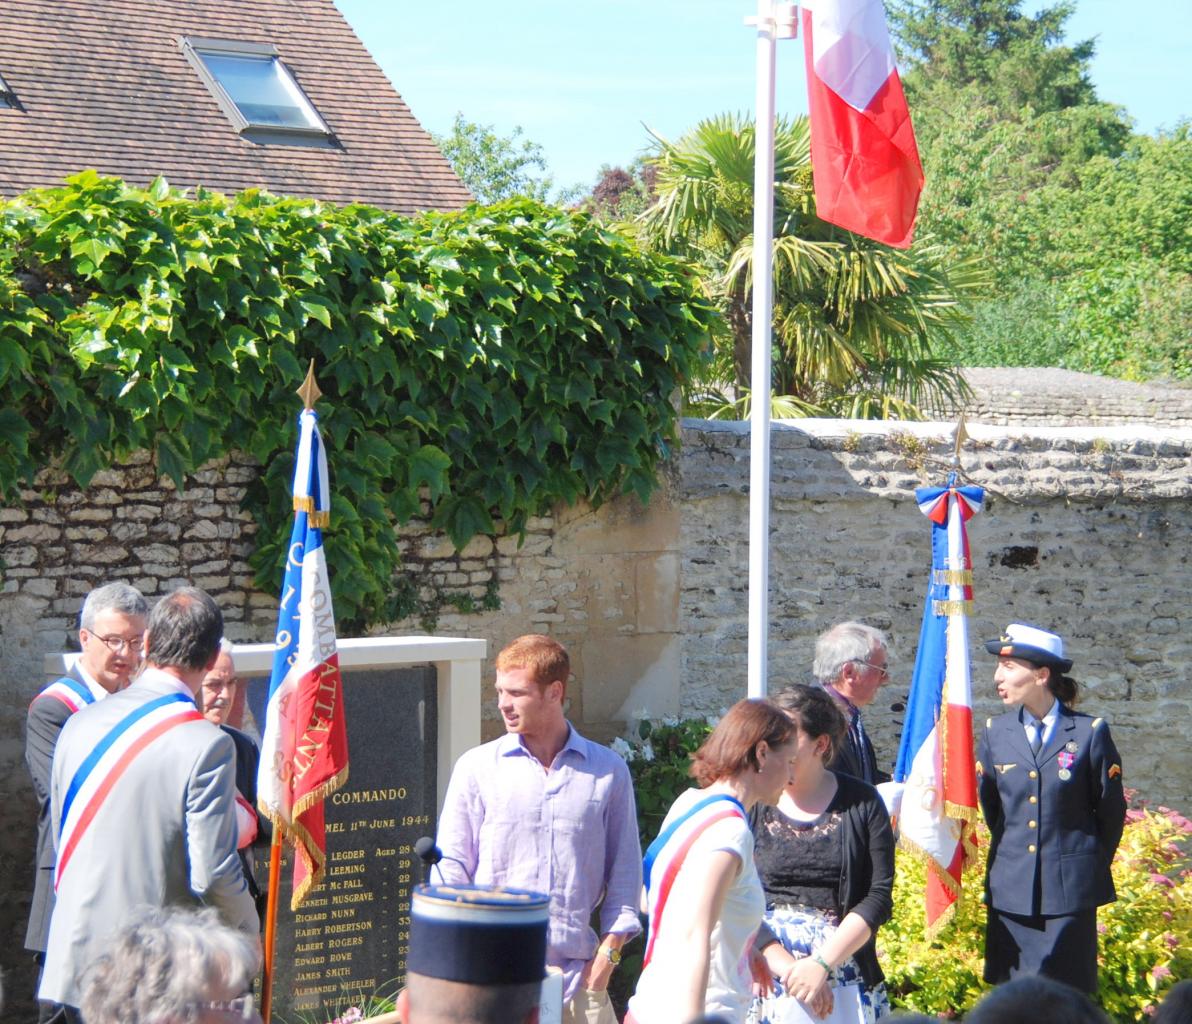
x=867 y=767
x=1036 y=736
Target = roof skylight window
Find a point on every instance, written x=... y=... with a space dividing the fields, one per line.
x=255 y=89
x=7 y=96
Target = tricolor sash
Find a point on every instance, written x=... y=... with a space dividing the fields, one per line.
x=71 y=692
x=673 y=859
x=97 y=776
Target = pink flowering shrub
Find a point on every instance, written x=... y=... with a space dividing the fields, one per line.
x=1144 y=943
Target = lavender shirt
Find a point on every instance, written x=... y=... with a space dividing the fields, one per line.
x=570 y=832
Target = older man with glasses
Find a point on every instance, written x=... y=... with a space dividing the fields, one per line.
x=111 y=630
x=851 y=664
x=221 y=699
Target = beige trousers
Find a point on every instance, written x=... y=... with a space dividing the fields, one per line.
x=589 y=1008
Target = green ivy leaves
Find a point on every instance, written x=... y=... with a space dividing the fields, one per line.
x=482 y=365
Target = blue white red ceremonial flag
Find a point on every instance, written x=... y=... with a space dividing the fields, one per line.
x=304 y=751
x=864 y=158
x=935 y=759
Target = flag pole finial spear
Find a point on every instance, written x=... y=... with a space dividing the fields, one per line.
x=959 y=436
x=309 y=392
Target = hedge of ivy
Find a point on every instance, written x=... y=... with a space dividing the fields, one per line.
x=498 y=360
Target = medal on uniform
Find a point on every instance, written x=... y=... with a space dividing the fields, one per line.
x=1071 y=747
x=1065 y=758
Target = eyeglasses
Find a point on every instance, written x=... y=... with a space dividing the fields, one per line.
x=242 y=1007
x=118 y=644
x=883 y=669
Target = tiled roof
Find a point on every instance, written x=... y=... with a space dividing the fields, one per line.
x=104 y=84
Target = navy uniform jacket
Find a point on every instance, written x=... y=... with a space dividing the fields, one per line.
x=1053 y=838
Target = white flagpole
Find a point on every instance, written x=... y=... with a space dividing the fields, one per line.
x=763 y=283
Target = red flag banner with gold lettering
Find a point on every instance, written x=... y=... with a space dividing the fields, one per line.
x=304 y=750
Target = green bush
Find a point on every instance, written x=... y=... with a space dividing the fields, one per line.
x=489 y=362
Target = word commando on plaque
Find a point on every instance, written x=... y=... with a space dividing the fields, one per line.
x=351 y=935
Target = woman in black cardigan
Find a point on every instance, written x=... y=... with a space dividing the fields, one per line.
x=825 y=855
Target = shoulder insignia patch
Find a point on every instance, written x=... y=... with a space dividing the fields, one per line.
x=1097 y=722
x=1115 y=771
x=980 y=768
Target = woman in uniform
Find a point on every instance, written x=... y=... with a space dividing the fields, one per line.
x=1051 y=792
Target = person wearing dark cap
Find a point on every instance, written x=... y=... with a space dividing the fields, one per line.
x=477 y=956
x=1050 y=787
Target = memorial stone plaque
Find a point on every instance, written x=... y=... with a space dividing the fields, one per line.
x=351 y=935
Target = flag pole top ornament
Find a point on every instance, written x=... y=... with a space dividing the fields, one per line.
x=959 y=436
x=309 y=392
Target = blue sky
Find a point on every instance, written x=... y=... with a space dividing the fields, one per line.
x=582 y=80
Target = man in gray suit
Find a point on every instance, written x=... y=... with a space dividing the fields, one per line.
x=111 y=634
x=142 y=801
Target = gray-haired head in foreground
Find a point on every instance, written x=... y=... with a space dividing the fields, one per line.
x=112 y=597
x=844 y=642
x=184 y=630
x=162 y=964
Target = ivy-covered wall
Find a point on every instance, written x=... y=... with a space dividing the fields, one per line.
x=476 y=364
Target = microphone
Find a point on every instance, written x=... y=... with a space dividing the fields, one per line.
x=430 y=855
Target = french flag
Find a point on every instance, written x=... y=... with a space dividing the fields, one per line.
x=865 y=163
x=304 y=749
x=936 y=764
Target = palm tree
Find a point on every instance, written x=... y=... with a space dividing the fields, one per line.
x=858 y=327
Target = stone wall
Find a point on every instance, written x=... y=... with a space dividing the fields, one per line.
x=1047 y=396
x=1086 y=530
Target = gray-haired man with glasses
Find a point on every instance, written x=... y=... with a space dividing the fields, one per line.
x=111 y=629
x=851 y=664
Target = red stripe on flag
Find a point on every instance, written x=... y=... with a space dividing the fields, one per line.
x=105 y=787
x=960 y=777
x=939 y=896
x=865 y=164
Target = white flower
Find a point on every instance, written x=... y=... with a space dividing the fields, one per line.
x=619 y=746
x=647 y=751
x=670 y=720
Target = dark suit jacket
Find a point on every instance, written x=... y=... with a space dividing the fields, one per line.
x=43 y=723
x=1053 y=838
x=248 y=759
x=849 y=760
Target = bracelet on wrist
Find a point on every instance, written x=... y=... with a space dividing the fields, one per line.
x=822 y=962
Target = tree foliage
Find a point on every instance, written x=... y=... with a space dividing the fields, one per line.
x=1013 y=60
x=859 y=328
x=493 y=166
x=489 y=362
x=1083 y=225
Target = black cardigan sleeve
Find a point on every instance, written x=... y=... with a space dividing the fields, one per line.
x=868 y=884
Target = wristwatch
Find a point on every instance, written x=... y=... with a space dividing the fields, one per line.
x=614 y=955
